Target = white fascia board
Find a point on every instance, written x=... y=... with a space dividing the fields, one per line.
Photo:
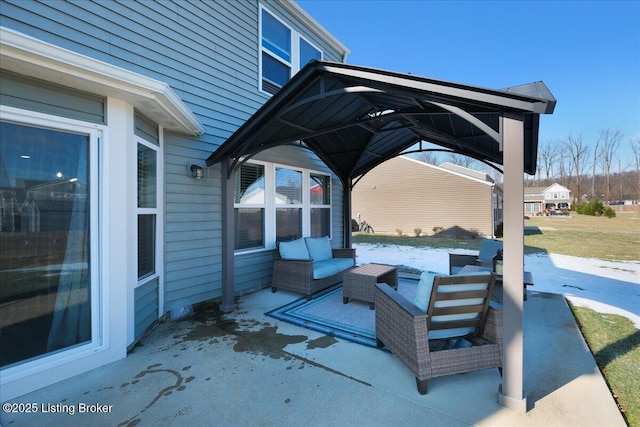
x=155 y=99
x=449 y=171
x=307 y=21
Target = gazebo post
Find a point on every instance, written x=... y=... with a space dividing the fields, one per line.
x=228 y=240
x=511 y=393
x=346 y=201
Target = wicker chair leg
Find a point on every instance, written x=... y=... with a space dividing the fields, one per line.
x=345 y=300
x=422 y=386
x=379 y=343
x=274 y=289
x=500 y=370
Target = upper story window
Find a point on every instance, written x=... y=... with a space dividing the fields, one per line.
x=283 y=52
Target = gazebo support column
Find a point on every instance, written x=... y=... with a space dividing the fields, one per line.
x=228 y=240
x=511 y=393
x=346 y=212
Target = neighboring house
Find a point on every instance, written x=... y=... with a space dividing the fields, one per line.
x=537 y=200
x=110 y=217
x=406 y=194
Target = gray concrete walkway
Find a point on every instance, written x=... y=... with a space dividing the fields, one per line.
x=250 y=370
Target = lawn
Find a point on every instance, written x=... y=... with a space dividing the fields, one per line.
x=614 y=239
x=614 y=340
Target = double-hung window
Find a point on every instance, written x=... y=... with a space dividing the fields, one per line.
x=274 y=203
x=249 y=206
x=283 y=52
x=147 y=209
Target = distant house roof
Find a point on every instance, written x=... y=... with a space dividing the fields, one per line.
x=467 y=171
x=534 y=190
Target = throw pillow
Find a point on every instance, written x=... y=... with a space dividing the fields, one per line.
x=319 y=248
x=295 y=249
x=423 y=294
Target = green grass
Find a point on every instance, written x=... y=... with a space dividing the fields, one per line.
x=614 y=239
x=615 y=344
x=613 y=340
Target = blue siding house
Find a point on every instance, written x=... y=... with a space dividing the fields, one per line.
x=110 y=215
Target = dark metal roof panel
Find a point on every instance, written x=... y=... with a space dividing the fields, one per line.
x=354 y=118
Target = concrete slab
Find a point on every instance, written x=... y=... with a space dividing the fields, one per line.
x=248 y=369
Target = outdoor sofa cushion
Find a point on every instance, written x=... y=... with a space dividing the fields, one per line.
x=329 y=267
x=295 y=249
x=319 y=248
x=425 y=288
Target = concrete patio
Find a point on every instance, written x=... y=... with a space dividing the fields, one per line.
x=248 y=369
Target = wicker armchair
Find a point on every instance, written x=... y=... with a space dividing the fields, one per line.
x=405 y=329
x=484 y=258
x=296 y=275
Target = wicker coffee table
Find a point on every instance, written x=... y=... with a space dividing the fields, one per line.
x=359 y=283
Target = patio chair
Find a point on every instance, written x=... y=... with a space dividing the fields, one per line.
x=484 y=258
x=459 y=332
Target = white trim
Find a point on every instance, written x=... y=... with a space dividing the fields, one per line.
x=29 y=56
x=294 y=63
x=270 y=205
x=104 y=346
x=158 y=274
x=308 y=22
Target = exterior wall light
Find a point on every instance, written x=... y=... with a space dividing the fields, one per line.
x=195 y=171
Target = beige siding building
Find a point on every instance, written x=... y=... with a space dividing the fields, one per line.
x=406 y=194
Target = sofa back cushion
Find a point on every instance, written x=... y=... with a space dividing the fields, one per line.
x=423 y=293
x=319 y=248
x=294 y=249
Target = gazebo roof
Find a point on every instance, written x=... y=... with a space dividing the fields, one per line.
x=355 y=118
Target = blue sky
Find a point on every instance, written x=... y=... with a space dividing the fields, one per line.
x=587 y=53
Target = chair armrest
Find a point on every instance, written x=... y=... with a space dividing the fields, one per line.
x=402 y=328
x=460 y=260
x=485 y=264
x=493 y=326
x=344 y=253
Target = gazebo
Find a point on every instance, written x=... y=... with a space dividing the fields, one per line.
x=354 y=118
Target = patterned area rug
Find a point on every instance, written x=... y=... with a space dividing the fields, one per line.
x=326 y=313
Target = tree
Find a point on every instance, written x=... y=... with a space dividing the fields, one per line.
x=461 y=160
x=635 y=149
x=427 y=157
x=577 y=152
x=610 y=142
x=548 y=155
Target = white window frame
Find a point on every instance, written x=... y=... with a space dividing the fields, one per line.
x=294 y=65
x=97 y=242
x=157 y=211
x=268 y=195
x=270 y=205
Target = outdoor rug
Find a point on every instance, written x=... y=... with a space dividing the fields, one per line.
x=326 y=313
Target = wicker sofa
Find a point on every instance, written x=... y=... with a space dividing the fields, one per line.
x=308 y=265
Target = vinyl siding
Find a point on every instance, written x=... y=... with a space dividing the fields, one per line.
x=406 y=194
x=36 y=95
x=208 y=53
x=146 y=303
